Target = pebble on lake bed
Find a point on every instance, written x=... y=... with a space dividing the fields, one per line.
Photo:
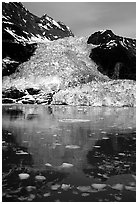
x=31 y=197
x=40 y=178
x=130 y=188
x=118 y=198
x=121 y=154
x=55 y=187
x=98 y=186
x=65 y=187
x=117 y=186
x=84 y=188
x=47 y=194
x=85 y=194
x=24 y=176
x=30 y=188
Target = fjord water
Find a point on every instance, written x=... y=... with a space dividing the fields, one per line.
x=90 y=151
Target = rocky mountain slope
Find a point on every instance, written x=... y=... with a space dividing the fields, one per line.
x=20 y=32
x=115 y=55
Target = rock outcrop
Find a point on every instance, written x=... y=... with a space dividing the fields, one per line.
x=27 y=96
x=115 y=55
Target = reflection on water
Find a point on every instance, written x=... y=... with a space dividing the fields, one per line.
x=89 y=144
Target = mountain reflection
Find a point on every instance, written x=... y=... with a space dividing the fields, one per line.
x=46 y=131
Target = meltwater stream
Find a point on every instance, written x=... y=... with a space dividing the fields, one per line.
x=63 y=153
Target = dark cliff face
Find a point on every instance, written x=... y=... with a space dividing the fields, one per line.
x=115 y=55
x=21 y=30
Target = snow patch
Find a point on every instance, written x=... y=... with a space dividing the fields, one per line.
x=102 y=31
x=17 y=37
x=25 y=32
x=38 y=38
x=24 y=20
x=43 y=26
x=7 y=22
x=8 y=60
x=111 y=43
x=56 y=24
x=49 y=18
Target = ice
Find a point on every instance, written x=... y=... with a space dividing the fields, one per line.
x=74 y=120
x=72 y=146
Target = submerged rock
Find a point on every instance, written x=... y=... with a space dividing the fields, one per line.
x=40 y=178
x=130 y=188
x=24 y=176
x=47 y=194
x=98 y=186
x=55 y=187
x=30 y=188
x=117 y=186
x=84 y=188
x=65 y=187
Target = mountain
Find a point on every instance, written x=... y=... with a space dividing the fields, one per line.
x=43 y=63
x=21 y=30
x=114 y=55
x=23 y=25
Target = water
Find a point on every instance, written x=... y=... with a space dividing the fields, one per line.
x=84 y=153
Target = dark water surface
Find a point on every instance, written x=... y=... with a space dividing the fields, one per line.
x=68 y=153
